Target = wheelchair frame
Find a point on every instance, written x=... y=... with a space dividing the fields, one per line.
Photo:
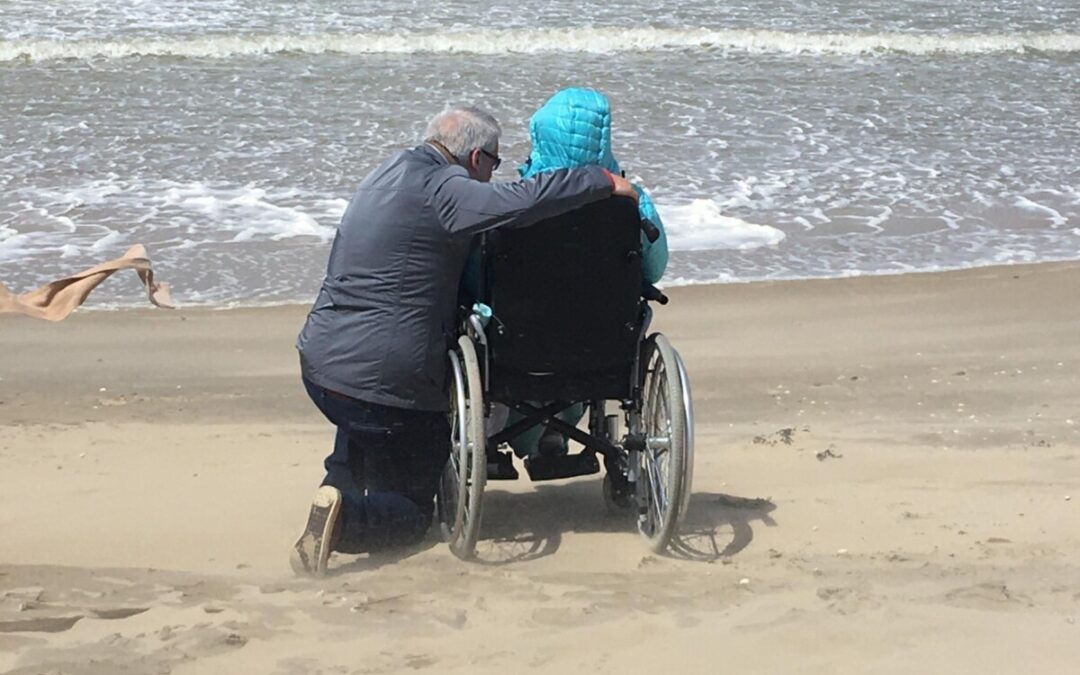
x=649 y=469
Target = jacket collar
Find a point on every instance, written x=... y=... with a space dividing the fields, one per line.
x=441 y=150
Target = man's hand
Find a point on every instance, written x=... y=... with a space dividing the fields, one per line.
x=621 y=187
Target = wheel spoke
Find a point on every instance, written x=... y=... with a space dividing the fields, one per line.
x=657 y=402
x=655 y=487
x=654 y=401
x=661 y=477
x=647 y=520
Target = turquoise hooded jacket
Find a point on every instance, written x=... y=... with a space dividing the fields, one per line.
x=574 y=129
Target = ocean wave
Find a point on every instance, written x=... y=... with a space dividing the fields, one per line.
x=699 y=226
x=527 y=41
x=98 y=215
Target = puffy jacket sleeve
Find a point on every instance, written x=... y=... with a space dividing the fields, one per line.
x=466 y=206
x=654 y=254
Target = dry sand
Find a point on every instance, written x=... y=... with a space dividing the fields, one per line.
x=887 y=481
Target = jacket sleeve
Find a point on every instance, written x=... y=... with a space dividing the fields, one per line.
x=654 y=256
x=466 y=206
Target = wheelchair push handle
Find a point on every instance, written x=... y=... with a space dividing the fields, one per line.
x=654 y=294
x=652 y=232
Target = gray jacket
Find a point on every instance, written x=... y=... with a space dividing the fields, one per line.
x=384 y=318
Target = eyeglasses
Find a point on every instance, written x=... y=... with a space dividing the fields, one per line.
x=495 y=159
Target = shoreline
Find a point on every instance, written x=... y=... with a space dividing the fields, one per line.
x=677 y=283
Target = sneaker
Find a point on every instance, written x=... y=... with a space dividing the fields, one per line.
x=312 y=549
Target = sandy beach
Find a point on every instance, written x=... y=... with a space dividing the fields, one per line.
x=887 y=481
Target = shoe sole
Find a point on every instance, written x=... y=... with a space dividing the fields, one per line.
x=312 y=550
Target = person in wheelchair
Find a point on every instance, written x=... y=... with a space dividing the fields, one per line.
x=573 y=129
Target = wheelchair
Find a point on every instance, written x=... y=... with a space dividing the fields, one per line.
x=568 y=326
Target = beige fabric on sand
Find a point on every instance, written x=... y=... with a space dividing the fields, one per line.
x=55 y=300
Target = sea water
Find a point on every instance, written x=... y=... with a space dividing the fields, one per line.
x=779 y=138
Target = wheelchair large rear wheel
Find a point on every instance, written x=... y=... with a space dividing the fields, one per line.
x=461 y=488
x=665 y=464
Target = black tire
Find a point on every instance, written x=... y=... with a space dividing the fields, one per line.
x=618 y=503
x=688 y=409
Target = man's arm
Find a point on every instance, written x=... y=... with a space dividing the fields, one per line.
x=467 y=206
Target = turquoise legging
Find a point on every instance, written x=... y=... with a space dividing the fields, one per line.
x=526 y=443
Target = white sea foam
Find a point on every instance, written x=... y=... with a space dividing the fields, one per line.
x=525 y=41
x=1056 y=219
x=70 y=251
x=96 y=216
x=250 y=212
x=699 y=225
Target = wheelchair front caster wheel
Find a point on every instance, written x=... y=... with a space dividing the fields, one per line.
x=618 y=501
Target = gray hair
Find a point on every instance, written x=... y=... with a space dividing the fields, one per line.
x=462 y=130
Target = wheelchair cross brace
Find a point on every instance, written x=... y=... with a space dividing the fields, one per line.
x=534 y=415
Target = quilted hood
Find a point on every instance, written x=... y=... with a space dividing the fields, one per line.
x=572 y=129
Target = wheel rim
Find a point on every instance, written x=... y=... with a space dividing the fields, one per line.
x=464 y=475
x=663 y=481
x=452 y=505
x=657 y=452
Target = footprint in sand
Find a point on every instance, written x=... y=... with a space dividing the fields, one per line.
x=55 y=624
x=58 y=624
x=987 y=595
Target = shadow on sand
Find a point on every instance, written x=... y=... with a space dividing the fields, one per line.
x=523 y=527
x=519 y=527
x=704 y=536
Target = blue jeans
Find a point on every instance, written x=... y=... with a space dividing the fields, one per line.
x=386 y=463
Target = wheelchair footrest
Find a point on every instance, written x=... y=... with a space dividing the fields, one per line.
x=500 y=466
x=566 y=466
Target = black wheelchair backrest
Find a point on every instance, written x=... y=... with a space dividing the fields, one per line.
x=566 y=299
